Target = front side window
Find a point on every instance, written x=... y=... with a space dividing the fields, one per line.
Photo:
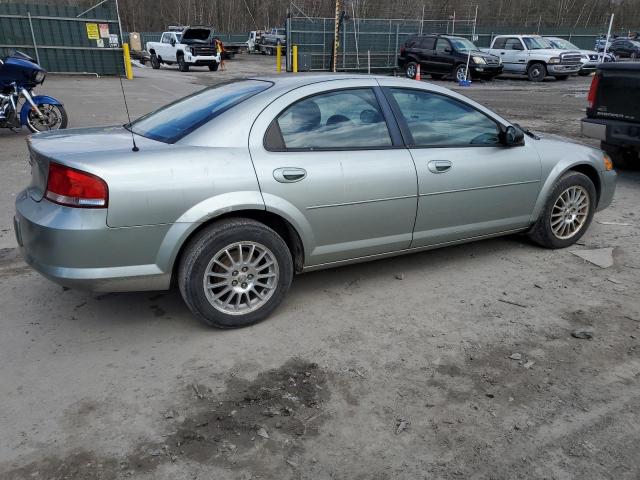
x=436 y=120
x=166 y=38
x=463 y=45
x=442 y=45
x=535 y=43
x=513 y=44
x=176 y=120
x=335 y=120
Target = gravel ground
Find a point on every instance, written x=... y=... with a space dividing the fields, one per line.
x=449 y=364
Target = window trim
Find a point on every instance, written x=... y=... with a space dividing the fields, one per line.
x=388 y=116
x=406 y=131
x=447 y=42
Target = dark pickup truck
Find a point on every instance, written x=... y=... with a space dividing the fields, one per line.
x=613 y=111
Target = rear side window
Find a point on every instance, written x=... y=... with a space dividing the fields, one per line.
x=428 y=43
x=339 y=119
x=436 y=120
x=513 y=44
x=176 y=120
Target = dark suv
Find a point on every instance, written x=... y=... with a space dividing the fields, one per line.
x=441 y=55
x=625 y=48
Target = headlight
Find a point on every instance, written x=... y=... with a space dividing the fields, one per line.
x=585 y=57
x=39 y=76
x=479 y=60
x=554 y=60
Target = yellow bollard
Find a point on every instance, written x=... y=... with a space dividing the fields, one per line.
x=295 y=59
x=127 y=61
x=279 y=58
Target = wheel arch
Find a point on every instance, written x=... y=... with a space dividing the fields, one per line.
x=531 y=62
x=276 y=222
x=557 y=173
x=153 y=50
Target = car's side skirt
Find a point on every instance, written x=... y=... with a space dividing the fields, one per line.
x=406 y=251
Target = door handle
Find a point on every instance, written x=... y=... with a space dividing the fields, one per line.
x=289 y=174
x=439 y=166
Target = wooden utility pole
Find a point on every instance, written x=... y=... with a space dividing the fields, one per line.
x=336 y=37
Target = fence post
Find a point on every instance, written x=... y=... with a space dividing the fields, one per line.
x=396 y=50
x=33 y=38
x=344 y=45
x=369 y=62
x=288 y=52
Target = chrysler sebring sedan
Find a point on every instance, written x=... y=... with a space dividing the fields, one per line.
x=234 y=189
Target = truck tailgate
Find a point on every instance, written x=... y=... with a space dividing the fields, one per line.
x=618 y=93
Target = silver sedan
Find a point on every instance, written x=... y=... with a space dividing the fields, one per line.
x=232 y=190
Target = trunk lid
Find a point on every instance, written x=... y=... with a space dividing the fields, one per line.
x=68 y=146
x=618 y=93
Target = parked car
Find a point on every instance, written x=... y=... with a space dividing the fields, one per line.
x=535 y=57
x=602 y=40
x=625 y=48
x=265 y=42
x=237 y=187
x=187 y=47
x=446 y=55
x=613 y=116
x=590 y=58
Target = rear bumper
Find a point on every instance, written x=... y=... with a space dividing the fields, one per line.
x=614 y=132
x=75 y=248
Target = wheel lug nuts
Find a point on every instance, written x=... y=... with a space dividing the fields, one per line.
x=234 y=283
x=244 y=285
x=244 y=269
x=250 y=277
x=235 y=272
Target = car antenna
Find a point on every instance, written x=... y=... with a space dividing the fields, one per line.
x=126 y=107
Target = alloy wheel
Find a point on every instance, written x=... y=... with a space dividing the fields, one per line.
x=570 y=212
x=241 y=278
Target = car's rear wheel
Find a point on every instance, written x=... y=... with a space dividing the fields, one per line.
x=567 y=213
x=584 y=73
x=182 y=65
x=235 y=273
x=536 y=72
x=411 y=70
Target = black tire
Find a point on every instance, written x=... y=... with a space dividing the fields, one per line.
x=562 y=77
x=182 y=65
x=459 y=73
x=213 y=67
x=542 y=233
x=32 y=119
x=536 y=72
x=584 y=73
x=410 y=70
x=155 y=62
x=437 y=76
x=201 y=251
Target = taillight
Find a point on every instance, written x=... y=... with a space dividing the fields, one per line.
x=74 y=188
x=591 y=98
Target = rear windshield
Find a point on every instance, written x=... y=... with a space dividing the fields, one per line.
x=178 y=119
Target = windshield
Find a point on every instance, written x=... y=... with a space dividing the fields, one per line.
x=635 y=44
x=463 y=45
x=536 y=43
x=562 y=44
x=172 y=122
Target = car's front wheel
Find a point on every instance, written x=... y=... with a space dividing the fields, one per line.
x=536 y=72
x=567 y=213
x=183 y=66
x=235 y=273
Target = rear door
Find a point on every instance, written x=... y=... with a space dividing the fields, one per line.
x=328 y=161
x=469 y=184
x=427 y=53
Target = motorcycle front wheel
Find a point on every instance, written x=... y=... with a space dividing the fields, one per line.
x=54 y=117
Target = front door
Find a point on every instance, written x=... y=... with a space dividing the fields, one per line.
x=470 y=185
x=443 y=60
x=328 y=161
x=512 y=52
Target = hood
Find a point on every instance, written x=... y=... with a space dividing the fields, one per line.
x=553 y=52
x=196 y=35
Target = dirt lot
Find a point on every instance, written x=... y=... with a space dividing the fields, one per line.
x=450 y=364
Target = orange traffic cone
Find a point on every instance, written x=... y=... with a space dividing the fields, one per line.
x=418 y=73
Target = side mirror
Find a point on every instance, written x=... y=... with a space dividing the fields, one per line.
x=172 y=42
x=447 y=50
x=512 y=136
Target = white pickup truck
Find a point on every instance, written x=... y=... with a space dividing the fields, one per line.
x=187 y=46
x=534 y=56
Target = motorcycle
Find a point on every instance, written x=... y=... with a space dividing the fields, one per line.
x=19 y=75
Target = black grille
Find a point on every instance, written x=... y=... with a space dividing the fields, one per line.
x=204 y=51
x=593 y=57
